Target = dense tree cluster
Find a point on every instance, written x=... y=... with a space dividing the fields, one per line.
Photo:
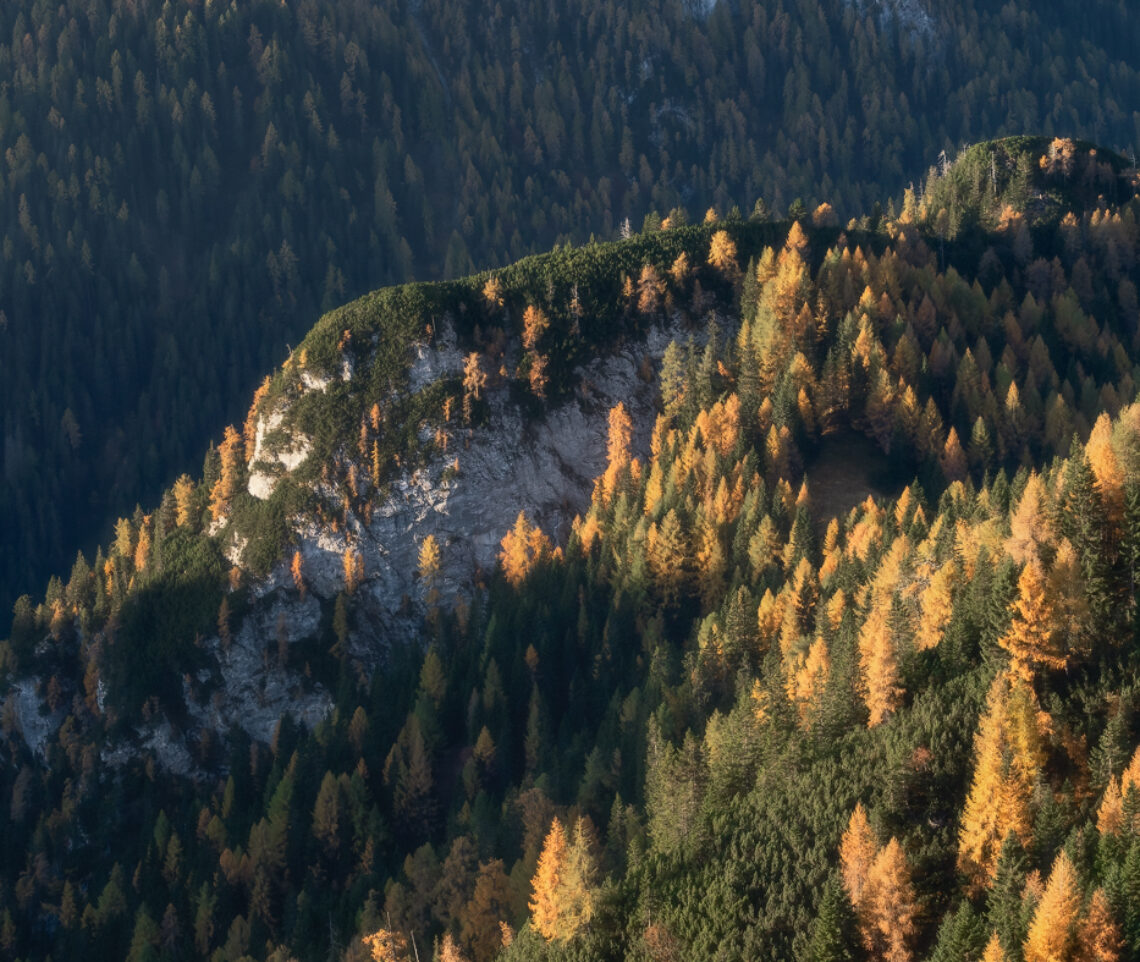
x=738 y=712
x=185 y=186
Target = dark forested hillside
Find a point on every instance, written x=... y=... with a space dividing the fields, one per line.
x=186 y=185
x=838 y=662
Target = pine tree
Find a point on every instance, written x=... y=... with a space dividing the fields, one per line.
x=833 y=934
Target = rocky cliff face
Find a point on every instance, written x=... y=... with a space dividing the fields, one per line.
x=543 y=466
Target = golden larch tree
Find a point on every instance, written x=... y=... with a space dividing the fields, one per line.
x=722 y=254
x=857 y=852
x=1007 y=760
x=1098 y=934
x=387 y=946
x=807 y=680
x=650 y=290
x=1032 y=637
x=183 y=500
x=493 y=293
x=878 y=663
x=249 y=429
x=544 y=904
x=226 y=487
x=888 y=916
x=474 y=381
x=577 y=896
x=297 y=570
x=1030 y=528
x=536 y=376
x=143 y=545
x=936 y=605
x=521 y=548
x=535 y=324
x=353 y=564
x=1053 y=931
x=666 y=550
x=1106 y=467
x=952 y=460
x=1110 y=815
x=617 y=448
x=428 y=566
x=993 y=952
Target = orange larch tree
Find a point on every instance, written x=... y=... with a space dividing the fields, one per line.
x=1032 y=637
x=1007 y=760
x=857 y=852
x=521 y=548
x=544 y=907
x=1053 y=931
x=889 y=906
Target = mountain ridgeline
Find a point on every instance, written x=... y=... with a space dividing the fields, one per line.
x=186 y=185
x=833 y=656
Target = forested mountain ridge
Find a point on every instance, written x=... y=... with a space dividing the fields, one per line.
x=728 y=712
x=208 y=177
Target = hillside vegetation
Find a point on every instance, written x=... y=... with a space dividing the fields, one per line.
x=716 y=722
x=186 y=185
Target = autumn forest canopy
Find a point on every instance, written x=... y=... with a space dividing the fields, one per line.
x=838 y=660
x=186 y=186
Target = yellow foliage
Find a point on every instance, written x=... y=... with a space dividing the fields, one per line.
x=183 y=500
x=857 y=851
x=993 y=952
x=1008 y=758
x=722 y=254
x=521 y=549
x=386 y=946
x=1052 y=933
x=1030 y=527
x=936 y=604
x=807 y=679
x=535 y=324
x=1032 y=637
x=296 y=569
x=617 y=449
x=879 y=668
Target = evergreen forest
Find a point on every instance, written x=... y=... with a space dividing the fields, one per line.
x=735 y=713
x=187 y=184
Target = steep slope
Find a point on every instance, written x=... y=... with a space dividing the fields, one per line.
x=186 y=185
x=764 y=732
